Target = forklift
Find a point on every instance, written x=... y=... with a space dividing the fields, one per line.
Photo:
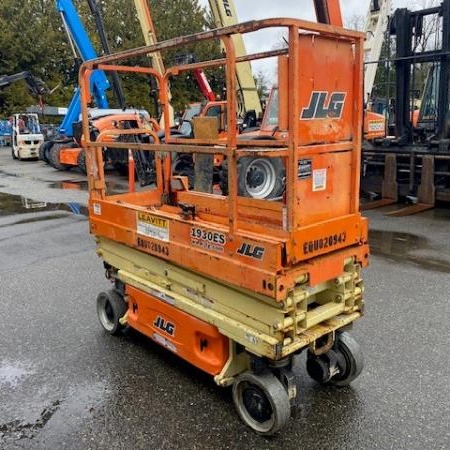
x=235 y=285
x=25 y=133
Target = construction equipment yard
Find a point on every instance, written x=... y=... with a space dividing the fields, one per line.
x=65 y=384
x=198 y=255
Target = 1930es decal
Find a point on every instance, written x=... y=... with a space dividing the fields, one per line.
x=208 y=240
x=324 y=242
x=324 y=105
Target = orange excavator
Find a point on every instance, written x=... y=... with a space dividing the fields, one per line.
x=238 y=286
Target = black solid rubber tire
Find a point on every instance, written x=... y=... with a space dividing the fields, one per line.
x=111 y=307
x=53 y=156
x=43 y=149
x=81 y=161
x=267 y=385
x=13 y=154
x=350 y=350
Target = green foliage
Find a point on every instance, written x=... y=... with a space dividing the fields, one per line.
x=33 y=39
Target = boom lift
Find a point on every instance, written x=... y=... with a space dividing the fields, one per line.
x=224 y=14
x=67 y=152
x=236 y=285
x=149 y=33
x=375 y=29
x=54 y=152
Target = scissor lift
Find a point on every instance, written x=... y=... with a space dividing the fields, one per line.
x=238 y=286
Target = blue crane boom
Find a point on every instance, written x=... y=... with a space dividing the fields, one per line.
x=80 y=39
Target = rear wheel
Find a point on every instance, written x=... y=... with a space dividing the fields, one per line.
x=350 y=360
x=342 y=364
x=43 y=149
x=111 y=307
x=261 y=402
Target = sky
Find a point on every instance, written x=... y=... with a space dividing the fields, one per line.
x=300 y=9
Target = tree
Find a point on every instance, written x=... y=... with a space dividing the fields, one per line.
x=33 y=39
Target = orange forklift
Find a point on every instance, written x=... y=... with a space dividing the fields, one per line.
x=235 y=285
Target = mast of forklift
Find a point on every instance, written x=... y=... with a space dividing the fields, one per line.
x=148 y=30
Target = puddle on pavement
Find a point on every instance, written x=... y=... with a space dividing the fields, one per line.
x=440 y=214
x=76 y=185
x=399 y=246
x=82 y=185
x=16 y=204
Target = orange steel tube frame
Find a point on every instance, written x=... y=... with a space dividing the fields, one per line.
x=96 y=178
x=290 y=149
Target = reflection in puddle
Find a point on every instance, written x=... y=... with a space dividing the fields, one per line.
x=12 y=374
x=17 y=204
x=401 y=246
x=77 y=185
x=82 y=185
x=392 y=243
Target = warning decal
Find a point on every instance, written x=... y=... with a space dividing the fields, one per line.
x=319 y=179
x=153 y=226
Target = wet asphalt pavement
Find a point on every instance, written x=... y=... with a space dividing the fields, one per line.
x=64 y=383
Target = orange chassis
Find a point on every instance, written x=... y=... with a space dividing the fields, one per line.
x=236 y=285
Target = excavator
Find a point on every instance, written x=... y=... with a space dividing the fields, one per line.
x=238 y=286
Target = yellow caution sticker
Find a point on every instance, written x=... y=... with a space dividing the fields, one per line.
x=153 y=226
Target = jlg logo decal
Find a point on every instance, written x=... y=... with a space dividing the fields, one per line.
x=251 y=251
x=324 y=105
x=164 y=325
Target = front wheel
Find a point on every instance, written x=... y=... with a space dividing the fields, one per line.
x=261 y=402
x=13 y=154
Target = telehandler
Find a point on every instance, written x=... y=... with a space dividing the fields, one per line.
x=235 y=285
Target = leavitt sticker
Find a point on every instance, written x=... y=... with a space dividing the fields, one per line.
x=153 y=226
